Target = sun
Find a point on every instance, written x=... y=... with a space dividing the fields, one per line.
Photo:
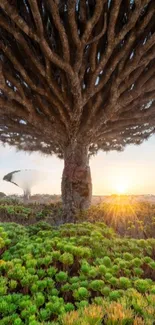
x=121 y=188
x=121 y=183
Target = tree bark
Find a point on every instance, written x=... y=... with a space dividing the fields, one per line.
x=76 y=184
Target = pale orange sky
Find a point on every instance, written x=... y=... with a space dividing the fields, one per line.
x=133 y=169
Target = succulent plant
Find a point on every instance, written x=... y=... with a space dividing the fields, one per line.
x=107 y=261
x=44 y=274
x=81 y=293
x=96 y=285
x=114 y=295
x=67 y=259
x=125 y=283
x=61 y=276
x=142 y=285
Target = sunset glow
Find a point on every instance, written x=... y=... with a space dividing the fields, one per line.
x=121 y=182
x=121 y=188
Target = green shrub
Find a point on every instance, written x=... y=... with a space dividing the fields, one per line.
x=66 y=259
x=114 y=295
x=74 y=279
x=138 y=271
x=93 y=272
x=39 y=299
x=113 y=281
x=106 y=291
x=107 y=261
x=108 y=276
x=152 y=290
x=152 y=265
x=137 y=262
x=47 y=272
x=69 y=307
x=142 y=285
x=81 y=293
x=97 y=285
x=61 y=276
x=51 y=271
x=85 y=268
x=124 y=283
x=102 y=269
x=13 y=284
x=82 y=304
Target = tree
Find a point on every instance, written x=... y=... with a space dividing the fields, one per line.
x=76 y=76
x=25 y=179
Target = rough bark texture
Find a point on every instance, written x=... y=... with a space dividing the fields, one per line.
x=76 y=181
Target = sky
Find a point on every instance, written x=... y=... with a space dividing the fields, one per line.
x=131 y=171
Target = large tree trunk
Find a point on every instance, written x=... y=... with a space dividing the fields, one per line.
x=76 y=181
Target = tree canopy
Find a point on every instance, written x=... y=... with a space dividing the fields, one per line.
x=76 y=69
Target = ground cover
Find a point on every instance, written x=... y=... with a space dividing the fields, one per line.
x=133 y=219
x=75 y=274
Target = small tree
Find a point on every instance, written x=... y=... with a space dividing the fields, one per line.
x=76 y=76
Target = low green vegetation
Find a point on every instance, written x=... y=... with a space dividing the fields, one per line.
x=13 y=211
x=75 y=275
x=136 y=220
